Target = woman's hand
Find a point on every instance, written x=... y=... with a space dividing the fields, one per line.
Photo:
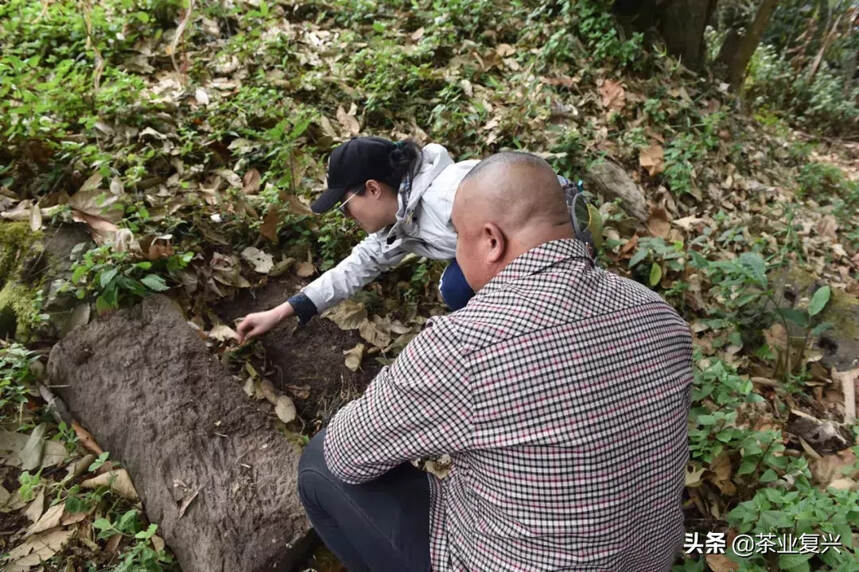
x=258 y=323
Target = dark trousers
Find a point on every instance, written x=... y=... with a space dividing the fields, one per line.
x=380 y=525
x=455 y=291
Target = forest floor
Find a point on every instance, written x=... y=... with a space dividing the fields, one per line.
x=188 y=145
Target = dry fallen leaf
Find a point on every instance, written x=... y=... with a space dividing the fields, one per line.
x=118 y=480
x=652 y=159
x=201 y=96
x=160 y=247
x=99 y=203
x=612 y=94
x=828 y=468
x=222 y=333
x=270 y=221
x=31 y=454
x=113 y=544
x=827 y=227
x=261 y=261
x=720 y=473
x=101 y=229
x=186 y=502
x=848 y=381
x=348 y=121
x=348 y=314
x=375 y=332
x=53 y=454
x=504 y=50
x=86 y=439
x=721 y=563
x=689 y=223
x=37 y=507
x=35 y=217
x=354 y=357
x=51 y=519
x=285 y=409
x=37 y=549
x=659 y=223
x=251 y=182
x=305 y=269
x=266 y=391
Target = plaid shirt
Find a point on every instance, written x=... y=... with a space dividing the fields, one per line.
x=561 y=392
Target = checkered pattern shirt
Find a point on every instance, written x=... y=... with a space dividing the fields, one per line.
x=561 y=392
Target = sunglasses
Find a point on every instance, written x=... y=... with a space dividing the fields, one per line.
x=342 y=206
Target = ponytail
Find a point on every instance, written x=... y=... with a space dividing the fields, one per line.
x=403 y=160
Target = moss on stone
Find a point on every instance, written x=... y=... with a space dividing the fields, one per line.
x=16 y=240
x=20 y=311
x=20 y=305
x=843 y=312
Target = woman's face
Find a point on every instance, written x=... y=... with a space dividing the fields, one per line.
x=374 y=209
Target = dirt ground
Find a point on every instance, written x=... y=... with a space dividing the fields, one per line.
x=305 y=361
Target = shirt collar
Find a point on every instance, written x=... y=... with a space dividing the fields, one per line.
x=538 y=259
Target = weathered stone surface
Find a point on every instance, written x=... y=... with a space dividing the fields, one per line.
x=31 y=262
x=142 y=381
x=840 y=344
x=611 y=180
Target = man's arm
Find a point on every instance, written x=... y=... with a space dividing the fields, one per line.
x=419 y=406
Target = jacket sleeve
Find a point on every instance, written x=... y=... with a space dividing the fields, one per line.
x=366 y=261
x=419 y=406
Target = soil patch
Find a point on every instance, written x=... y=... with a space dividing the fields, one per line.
x=308 y=357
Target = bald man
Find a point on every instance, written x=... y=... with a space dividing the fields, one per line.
x=561 y=393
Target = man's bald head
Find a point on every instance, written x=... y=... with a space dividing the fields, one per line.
x=508 y=204
x=516 y=190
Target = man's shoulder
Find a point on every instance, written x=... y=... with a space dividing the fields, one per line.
x=568 y=295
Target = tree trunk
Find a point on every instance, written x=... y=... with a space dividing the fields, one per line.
x=681 y=24
x=737 y=50
x=827 y=41
x=848 y=66
x=214 y=474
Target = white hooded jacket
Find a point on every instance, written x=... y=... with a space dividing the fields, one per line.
x=423 y=227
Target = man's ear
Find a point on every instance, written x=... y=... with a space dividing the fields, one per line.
x=495 y=241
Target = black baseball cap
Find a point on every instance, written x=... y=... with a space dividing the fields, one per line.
x=351 y=164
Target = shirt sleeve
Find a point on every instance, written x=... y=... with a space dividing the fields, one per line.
x=418 y=406
x=367 y=260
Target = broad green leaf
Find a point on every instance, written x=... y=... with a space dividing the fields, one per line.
x=154 y=282
x=106 y=276
x=747 y=466
x=819 y=300
x=147 y=534
x=639 y=255
x=798 y=317
x=127 y=520
x=756 y=264
x=822 y=327
x=655 y=274
x=794 y=562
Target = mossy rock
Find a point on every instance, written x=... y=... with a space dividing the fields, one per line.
x=840 y=344
x=16 y=241
x=29 y=263
x=19 y=304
